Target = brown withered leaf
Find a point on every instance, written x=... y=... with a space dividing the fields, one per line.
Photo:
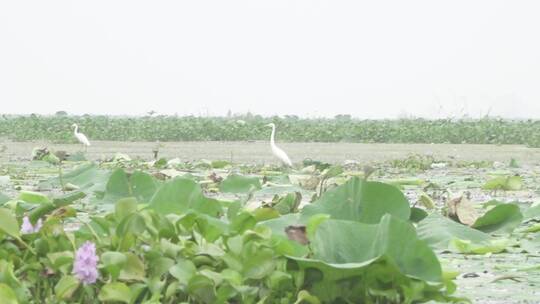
x=462 y=210
x=297 y=233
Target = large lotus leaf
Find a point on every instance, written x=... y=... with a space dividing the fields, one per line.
x=501 y=218
x=350 y=245
x=235 y=183
x=88 y=177
x=181 y=194
x=140 y=185
x=439 y=232
x=360 y=200
x=278 y=226
x=117 y=186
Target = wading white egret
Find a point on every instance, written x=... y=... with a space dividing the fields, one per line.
x=80 y=137
x=276 y=150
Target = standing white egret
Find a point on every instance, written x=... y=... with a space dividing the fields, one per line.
x=276 y=150
x=80 y=137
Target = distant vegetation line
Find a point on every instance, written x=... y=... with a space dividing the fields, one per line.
x=290 y=128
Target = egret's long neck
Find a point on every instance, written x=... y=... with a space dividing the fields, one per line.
x=272 y=141
x=76 y=130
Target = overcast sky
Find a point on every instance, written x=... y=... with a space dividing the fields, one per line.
x=370 y=59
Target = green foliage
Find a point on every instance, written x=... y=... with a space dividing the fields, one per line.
x=190 y=128
x=184 y=247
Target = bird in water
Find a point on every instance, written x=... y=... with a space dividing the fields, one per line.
x=80 y=137
x=279 y=153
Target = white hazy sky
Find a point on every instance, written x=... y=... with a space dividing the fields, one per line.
x=370 y=59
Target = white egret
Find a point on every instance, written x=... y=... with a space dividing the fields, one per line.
x=276 y=150
x=80 y=137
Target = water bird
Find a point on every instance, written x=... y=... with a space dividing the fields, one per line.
x=279 y=153
x=80 y=137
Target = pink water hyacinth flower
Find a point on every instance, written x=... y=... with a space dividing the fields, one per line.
x=27 y=226
x=85 y=266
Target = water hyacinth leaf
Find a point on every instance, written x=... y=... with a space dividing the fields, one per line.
x=305 y=297
x=65 y=288
x=6 y=274
x=235 y=183
x=113 y=262
x=202 y=288
x=115 y=292
x=183 y=271
x=61 y=260
x=8 y=223
x=160 y=266
x=124 y=207
x=210 y=228
x=132 y=224
x=259 y=263
x=360 y=200
x=181 y=194
x=133 y=269
x=438 y=231
x=7 y=295
x=501 y=218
